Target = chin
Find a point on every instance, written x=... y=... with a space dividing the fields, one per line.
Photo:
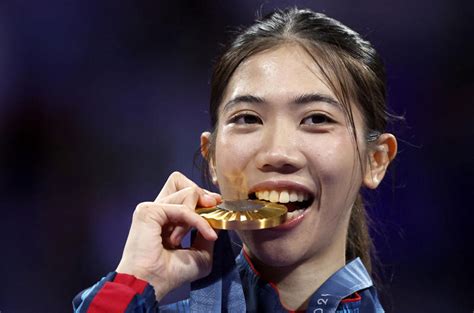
x=275 y=252
x=277 y=259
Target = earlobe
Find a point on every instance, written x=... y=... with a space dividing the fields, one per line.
x=379 y=157
x=205 y=146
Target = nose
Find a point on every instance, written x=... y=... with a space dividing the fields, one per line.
x=279 y=151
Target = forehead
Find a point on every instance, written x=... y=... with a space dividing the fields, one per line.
x=278 y=74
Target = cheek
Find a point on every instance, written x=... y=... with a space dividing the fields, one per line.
x=332 y=158
x=233 y=158
x=335 y=166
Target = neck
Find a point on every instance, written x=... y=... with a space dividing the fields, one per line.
x=295 y=285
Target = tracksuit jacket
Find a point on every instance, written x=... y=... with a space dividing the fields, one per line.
x=233 y=286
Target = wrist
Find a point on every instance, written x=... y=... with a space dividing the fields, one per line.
x=136 y=284
x=160 y=290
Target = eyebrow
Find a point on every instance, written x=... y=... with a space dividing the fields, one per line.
x=301 y=99
x=315 y=97
x=244 y=99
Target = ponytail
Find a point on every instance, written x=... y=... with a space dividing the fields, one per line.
x=359 y=243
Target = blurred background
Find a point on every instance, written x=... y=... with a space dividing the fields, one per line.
x=101 y=100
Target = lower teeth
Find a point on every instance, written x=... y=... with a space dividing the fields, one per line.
x=294 y=214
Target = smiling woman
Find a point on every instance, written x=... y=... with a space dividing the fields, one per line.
x=298 y=118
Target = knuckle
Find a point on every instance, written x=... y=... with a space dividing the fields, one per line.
x=180 y=211
x=195 y=189
x=184 y=213
x=142 y=209
x=142 y=206
x=175 y=175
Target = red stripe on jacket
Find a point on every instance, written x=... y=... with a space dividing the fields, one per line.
x=115 y=296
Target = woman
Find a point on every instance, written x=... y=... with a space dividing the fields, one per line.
x=297 y=113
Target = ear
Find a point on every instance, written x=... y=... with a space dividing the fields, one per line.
x=205 y=144
x=380 y=155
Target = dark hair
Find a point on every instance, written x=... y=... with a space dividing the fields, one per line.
x=349 y=64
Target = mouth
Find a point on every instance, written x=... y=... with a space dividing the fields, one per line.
x=295 y=201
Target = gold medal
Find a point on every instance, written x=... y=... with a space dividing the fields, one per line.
x=244 y=214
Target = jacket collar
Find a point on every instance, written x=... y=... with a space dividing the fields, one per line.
x=351 y=278
x=222 y=289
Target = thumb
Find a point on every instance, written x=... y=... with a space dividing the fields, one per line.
x=202 y=251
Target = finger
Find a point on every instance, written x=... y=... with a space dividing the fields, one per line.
x=201 y=243
x=192 y=196
x=204 y=200
x=208 y=200
x=178 y=234
x=214 y=194
x=169 y=240
x=189 y=201
x=200 y=261
x=179 y=214
x=203 y=251
x=175 y=182
x=188 y=194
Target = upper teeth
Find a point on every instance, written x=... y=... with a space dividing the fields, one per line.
x=283 y=196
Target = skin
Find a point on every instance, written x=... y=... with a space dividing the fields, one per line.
x=275 y=139
x=152 y=251
x=282 y=142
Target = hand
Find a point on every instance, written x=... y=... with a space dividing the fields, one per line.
x=152 y=251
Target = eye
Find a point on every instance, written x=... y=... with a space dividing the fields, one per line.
x=245 y=118
x=317 y=119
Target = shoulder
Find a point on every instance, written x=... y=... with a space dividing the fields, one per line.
x=370 y=301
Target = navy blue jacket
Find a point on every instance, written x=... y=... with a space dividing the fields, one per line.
x=233 y=286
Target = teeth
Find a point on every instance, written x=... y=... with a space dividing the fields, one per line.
x=294 y=214
x=293 y=196
x=274 y=197
x=300 y=196
x=283 y=196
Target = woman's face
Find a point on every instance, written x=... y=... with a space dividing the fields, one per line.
x=282 y=135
